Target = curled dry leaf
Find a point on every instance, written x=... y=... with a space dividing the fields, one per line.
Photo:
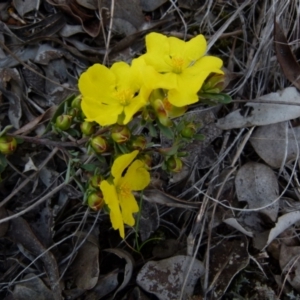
x=85 y=267
x=227 y=259
x=283 y=223
x=289 y=261
x=32 y=288
x=278 y=136
x=257 y=185
x=265 y=113
x=128 y=267
x=285 y=57
x=165 y=278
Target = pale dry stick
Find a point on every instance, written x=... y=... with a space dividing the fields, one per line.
x=112 y=11
x=286 y=141
x=217 y=35
x=289 y=271
x=29 y=178
x=181 y=17
x=190 y=190
x=242 y=145
x=33 y=70
x=192 y=235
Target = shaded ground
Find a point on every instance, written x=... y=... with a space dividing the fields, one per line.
x=235 y=206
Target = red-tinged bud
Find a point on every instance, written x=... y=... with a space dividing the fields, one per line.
x=95 y=181
x=99 y=144
x=76 y=103
x=138 y=142
x=172 y=110
x=95 y=200
x=120 y=134
x=63 y=122
x=174 y=164
x=161 y=112
x=189 y=130
x=87 y=128
x=8 y=145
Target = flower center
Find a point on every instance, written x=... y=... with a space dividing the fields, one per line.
x=177 y=63
x=124 y=96
x=124 y=190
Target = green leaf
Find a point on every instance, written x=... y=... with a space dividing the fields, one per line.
x=199 y=137
x=89 y=167
x=3 y=162
x=152 y=130
x=166 y=131
x=213 y=99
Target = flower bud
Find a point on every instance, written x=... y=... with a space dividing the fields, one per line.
x=87 y=128
x=174 y=164
x=95 y=181
x=189 y=130
x=95 y=200
x=8 y=144
x=214 y=84
x=120 y=134
x=63 y=122
x=73 y=112
x=138 y=142
x=76 y=103
x=99 y=144
x=161 y=112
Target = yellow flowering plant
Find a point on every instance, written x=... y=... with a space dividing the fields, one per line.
x=123 y=109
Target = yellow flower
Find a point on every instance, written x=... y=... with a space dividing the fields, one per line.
x=184 y=63
x=112 y=95
x=118 y=193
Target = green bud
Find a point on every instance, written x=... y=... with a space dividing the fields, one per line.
x=174 y=164
x=95 y=181
x=99 y=144
x=120 y=134
x=189 y=130
x=74 y=112
x=8 y=144
x=138 y=142
x=76 y=103
x=63 y=122
x=87 y=128
x=95 y=200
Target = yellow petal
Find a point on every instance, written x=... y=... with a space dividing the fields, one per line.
x=103 y=114
x=137 y=177
x=97 y=82
x=121 y=163
x=195 y=48
x=181 y=98
x=157 y=54
x=134 y=106
x=128 y=207
x=209 y=64
x=177 y=46
x=111 y=199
